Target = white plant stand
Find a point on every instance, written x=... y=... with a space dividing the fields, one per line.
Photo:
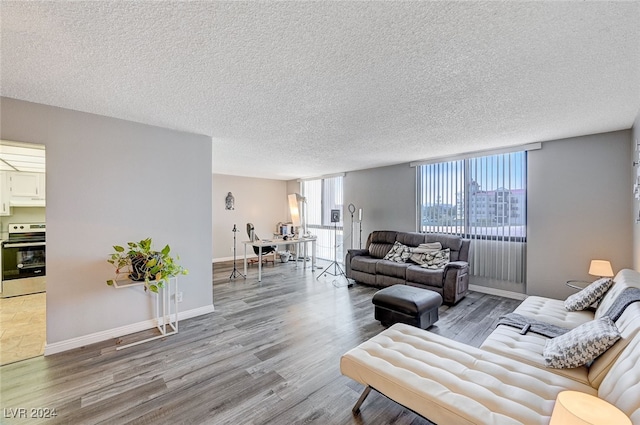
x=166 y=316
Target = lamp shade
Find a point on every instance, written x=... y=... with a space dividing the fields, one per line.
x=600 y=268
x=576 y=408
x=295 y=211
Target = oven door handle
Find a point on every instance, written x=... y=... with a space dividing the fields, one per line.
x=22 y=245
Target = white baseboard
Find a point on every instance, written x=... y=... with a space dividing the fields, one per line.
x=69 y=344
x=221 y=259
x=498 y=292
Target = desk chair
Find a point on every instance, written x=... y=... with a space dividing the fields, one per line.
x=266 y=250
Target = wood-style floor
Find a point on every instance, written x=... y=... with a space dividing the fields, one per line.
x=269 y=354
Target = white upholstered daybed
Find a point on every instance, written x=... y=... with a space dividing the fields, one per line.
x=505 y=381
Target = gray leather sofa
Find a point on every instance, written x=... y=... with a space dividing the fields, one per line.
x=368 y=266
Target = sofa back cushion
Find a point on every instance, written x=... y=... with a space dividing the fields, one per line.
x=453 y=242
x=380 y=242
x=629 y=327
x=411 y=239
x=621 y=385
x=625 y=278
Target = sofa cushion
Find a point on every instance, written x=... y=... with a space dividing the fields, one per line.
x=379 y=250
x=629 y=326
x=363 y=263
x=391 y=268
x=621 y=385
x=625 y=278
x=552 y=311
x=428 y=277
x=582 y=344
x=527 y=348
x=410 y=238
x=453 y=242
x=589 y=295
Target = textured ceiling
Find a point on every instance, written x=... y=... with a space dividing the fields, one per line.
x=299 y=89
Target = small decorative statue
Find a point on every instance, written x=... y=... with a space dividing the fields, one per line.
x=229 y=200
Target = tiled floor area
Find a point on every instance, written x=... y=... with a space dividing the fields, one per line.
x=22 y=327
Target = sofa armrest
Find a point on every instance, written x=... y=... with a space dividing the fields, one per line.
x=457 y=265
x=351 y=253
x=455 y=281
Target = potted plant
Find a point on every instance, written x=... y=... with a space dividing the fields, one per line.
x=141 y=263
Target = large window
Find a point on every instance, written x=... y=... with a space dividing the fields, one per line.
x=483 y=196
x=484 y=199
x=322 y=196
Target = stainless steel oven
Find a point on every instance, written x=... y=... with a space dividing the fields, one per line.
x=24 y=260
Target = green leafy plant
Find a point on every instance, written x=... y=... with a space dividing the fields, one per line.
x=141 y=263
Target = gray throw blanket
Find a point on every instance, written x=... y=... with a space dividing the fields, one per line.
x=627 y=297
x=526 y=324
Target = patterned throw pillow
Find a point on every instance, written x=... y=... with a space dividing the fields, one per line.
x=581 y=345
x=589 y=295
x=399 y=253
x=436 y=260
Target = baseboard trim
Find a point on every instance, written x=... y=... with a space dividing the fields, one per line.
x=239 y=258
x=70 y=344
x=498 y=292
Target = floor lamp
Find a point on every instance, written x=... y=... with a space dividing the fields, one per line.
x=352 y=209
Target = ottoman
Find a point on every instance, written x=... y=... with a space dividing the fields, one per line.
x=407 y=304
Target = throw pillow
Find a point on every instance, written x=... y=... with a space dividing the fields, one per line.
x=589 y=295
x=399 y=253
x=436 y=260
x=581 y=345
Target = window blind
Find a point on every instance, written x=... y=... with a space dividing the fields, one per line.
x=483 y=199
x=324 y=195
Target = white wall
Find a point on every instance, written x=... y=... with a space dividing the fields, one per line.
x=635 y=139
x=110 y=181
x=262 y=202
x=387 y=196
x=579 y=209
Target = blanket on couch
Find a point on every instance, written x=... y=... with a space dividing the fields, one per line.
x=627 y=297
x=527 y=324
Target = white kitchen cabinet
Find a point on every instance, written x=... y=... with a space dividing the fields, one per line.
x=26 y=189
x=4 y=193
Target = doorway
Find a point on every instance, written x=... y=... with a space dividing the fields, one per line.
x=22 y=201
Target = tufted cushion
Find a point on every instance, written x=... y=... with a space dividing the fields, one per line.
x=581 y=345
x=621 y=385
x=552 y=311
x=625 y=278
x=589 y=295
x=453 y=383
x=629 y=326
